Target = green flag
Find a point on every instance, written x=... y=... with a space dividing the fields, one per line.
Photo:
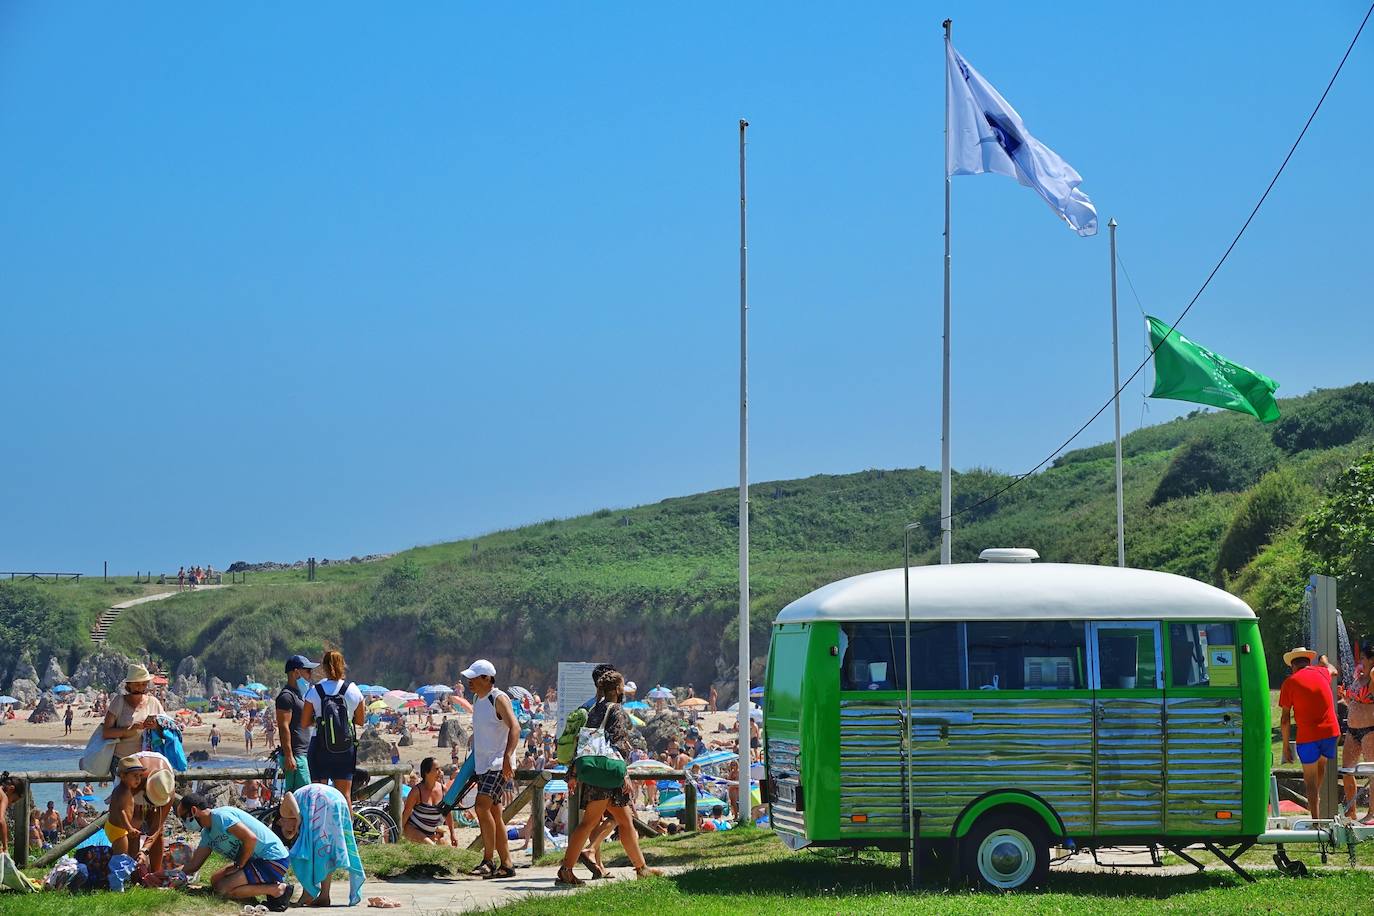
x=1185 y=371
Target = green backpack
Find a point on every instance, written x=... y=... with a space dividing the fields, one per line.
x=597 y=762
x=567 y=740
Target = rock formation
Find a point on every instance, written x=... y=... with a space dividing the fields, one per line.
x=216 y=688
x=52 y=675
x=24 y=690
x=104 y=669
x=452 y=734
x=373 y=747
x=189 y=678
x=24 y=670
x=45 y=711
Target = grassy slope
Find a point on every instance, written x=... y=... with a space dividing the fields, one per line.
x=659 y=580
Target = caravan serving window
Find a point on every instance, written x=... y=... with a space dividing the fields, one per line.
x=1202 y=654
x=873 y=656
x=1026 y=655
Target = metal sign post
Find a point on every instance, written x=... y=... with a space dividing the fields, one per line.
x=1326 y=641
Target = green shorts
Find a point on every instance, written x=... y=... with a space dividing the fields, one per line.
x=298 y=777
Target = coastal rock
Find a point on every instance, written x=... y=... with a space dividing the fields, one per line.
x=216 y=688
x=52 y=675
x=103 y=670
x=452 y=734
x=24 y=690
x=198 y=756
x=660 y=728
x=45 y=711
x=172 y=701
x=24 y=670
x=405 y=740
x=189 y=678
x=373 y=747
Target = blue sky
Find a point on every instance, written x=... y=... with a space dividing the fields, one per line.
x=284 y=279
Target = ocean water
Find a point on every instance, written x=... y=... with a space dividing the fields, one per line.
x=18 y=758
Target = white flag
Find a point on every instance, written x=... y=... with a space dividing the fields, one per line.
x=985 y=134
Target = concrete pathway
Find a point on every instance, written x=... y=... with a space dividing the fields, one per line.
x=436 y=896
x=100 y=631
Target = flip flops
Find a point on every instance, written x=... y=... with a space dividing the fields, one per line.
x=505 y=871
x=483 y=870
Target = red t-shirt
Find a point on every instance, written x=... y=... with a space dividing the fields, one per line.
x=1308 y=692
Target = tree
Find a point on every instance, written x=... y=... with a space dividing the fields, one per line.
x=1340 y=536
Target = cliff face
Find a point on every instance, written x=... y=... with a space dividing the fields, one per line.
x=676 y=650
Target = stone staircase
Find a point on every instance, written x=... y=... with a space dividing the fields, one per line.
x=100 y=630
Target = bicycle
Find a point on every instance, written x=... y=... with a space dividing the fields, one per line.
x=371 y=823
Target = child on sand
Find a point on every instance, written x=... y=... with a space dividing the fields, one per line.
x=121 y=829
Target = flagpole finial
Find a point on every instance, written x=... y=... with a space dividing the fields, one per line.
x=947 y=23
x=1111 y=222
x=743 y=124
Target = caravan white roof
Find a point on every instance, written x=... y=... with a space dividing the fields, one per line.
x=1018 y=591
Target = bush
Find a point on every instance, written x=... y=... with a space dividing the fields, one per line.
x=1335 y=419
x=1272 y=505
x=1340 y=536
x=1224 y=460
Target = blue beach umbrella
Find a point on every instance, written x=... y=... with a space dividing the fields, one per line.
x=63 y=688
x=678 y=803
x=245 y=692
x=7 y=700
x=256 y=687
x=555 y=785
x=635 y=704
x=756 y=692
x=373 y=690
x=714 y=758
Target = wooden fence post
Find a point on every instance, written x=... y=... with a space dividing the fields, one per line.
x=395 y=802
x=689 y=809
x=537 y=817
x=21 y=825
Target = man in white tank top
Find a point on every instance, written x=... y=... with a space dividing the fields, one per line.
x=495 y=733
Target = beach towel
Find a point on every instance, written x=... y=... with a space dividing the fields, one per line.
x=99 y=755
x=166 y=740
x=11 y=878
x=326 y=842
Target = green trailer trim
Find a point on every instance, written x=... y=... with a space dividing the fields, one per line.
x=979 y=806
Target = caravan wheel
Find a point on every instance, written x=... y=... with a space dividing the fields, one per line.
x=1006 y=853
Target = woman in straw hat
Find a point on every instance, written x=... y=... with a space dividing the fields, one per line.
x=131 y=712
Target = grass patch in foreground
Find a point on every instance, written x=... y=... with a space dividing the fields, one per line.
x=415 y=860
x=816 y=884
x=137 y=900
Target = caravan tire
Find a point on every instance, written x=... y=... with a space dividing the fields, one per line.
x=1005 y=852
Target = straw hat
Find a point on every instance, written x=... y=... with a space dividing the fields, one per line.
x=137 y=674
x=159 y=787
x=129 y=764
x=1299 y=652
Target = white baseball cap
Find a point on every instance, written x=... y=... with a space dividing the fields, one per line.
x=480 y=668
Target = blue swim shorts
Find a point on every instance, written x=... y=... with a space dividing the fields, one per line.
x=1309 y=751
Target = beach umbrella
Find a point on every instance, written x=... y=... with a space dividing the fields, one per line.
x=416 y=704
x=373 y=690
x=635 y=704
x=434 y=691
x=377 y=706
x=714 y=758
x=694 y=703
x=646 y=766
x=88 y=798
x=256 y=687
x=660 y=693
x=245 y=692
x=555 y=785
x=636 y=720
x=7 y=700
x=521 y=694
x=677 y=803
x=63 y=688
x=756 y=692
x=398 y=698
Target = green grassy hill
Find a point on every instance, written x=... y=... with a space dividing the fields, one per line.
x=1216 y=496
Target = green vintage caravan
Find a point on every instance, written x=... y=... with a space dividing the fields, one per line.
x=1049 y=705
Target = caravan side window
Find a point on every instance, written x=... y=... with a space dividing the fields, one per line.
x=874 y=656
x=1202 y=655
x=1027 y=655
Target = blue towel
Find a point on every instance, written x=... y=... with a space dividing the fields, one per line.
x=121 y=867
x=166 y=740
x=326 y=842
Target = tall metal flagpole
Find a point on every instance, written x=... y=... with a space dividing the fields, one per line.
x=946 y=495
x=742 y=786
x=1116 y=403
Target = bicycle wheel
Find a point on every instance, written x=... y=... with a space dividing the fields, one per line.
x=374 y=825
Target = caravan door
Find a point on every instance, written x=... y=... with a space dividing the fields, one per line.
x=1127 y=679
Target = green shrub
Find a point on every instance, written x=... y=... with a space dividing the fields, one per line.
x=1272 y=505
x=1224 y=460
x=1340 y=536
x=1335 y=418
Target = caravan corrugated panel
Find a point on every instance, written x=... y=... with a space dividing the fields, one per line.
x=1204 y=772
x=962 y=749
x=785 y=770
x=1130 y=765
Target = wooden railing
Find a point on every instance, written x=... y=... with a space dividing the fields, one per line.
x=43 y=576
x=389 y=773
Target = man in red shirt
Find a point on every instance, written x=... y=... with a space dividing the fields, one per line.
x=1306 y=696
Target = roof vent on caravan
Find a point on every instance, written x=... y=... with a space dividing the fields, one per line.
x=1008 y=555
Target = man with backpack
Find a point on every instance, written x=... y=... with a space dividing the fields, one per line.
x=335 y=707
x=495 y=734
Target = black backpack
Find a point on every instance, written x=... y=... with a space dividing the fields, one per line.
x=335 y=728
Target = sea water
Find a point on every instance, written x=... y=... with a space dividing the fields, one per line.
x=50 y=758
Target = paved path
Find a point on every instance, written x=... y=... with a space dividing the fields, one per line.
x=100 y=631
x=435 y=896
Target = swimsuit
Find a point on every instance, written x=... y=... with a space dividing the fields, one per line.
x=426 y=818
x=114 y=832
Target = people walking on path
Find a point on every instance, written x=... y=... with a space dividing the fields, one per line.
x=290 y=713
x=495 y=734
x=335 y=707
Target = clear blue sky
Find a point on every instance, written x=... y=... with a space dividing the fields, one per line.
x=291 y=279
